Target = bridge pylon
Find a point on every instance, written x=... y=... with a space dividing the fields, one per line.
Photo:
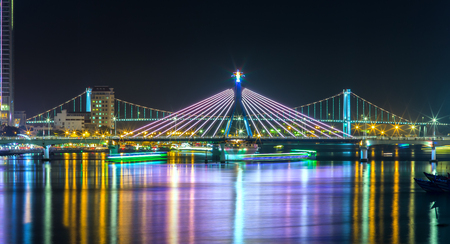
x=238 y=107
x=347 y=113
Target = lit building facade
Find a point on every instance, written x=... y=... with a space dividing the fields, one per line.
x=102 y=107
x=6 y=71
x=69 y=121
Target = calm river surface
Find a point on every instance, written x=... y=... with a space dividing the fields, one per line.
x=79 y=198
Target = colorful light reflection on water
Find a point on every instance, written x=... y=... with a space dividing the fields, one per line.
x=80 y=198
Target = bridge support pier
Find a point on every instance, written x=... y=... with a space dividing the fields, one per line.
x=222 y=153
x=433 y=155
x=46 y=156
x=364 y=157
x=113 y=149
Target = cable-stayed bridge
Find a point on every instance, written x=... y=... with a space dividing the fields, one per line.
x=241 y=112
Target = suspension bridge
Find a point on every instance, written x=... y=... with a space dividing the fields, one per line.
x=241 y=112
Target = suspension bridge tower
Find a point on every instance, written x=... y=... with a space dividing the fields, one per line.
x=347 y=115
x=238 y=107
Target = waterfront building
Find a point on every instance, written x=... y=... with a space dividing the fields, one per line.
x=69 y=121
x=19 y=118
x=6 y=59
x=102 y=107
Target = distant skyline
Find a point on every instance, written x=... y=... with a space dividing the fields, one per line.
x=167 y=56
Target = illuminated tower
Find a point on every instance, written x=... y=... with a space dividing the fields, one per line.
x=6 y=71
x=238 y=107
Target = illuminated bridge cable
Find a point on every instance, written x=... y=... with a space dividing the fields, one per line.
x=228 y=110
x=378 y=107
x=211 y=103
x=245 y=103
x=140 y=106
x=272 y=108
x=250 y=108
x=254 y=106
x=303 y=117
x=217 y=117
x=186 y=118
x=59 y=106
x=300 y=114
x=173 y=115
x=251 y=119
x=223 y=104
x=266 y=110
x=302 y=121
x=208 y=111
x=204 y=113
x=177 y=113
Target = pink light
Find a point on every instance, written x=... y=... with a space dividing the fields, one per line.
x=207 y=129
x=190 y=109
x=222 y=119
x=166 y=119
x=211 y=104
x=246 y=110
x=254 y=106
x=297 y=114
x=312 y=127
x=201 y=126
x=275 y=114
x=243 y=101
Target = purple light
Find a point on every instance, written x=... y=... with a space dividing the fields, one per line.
x=244 y=102
x=210 y=106
x=297 y=114
x=228 y=110
x=219 y=110
x=253 y=105
x=214 y=121
x=190 y=109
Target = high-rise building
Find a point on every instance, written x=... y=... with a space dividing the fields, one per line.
x=6 y=71
x=102 y=107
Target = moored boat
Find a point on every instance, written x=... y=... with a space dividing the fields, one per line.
x=428 y=186
x=140 y=156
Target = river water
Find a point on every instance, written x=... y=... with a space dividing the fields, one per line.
x=79 y=198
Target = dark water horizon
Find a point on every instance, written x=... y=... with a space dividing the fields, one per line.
x=80 y=198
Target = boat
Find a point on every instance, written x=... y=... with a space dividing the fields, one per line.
x=136 y=157
x=433 y=177
x=428 y=186
x=237 y=147
x=307 y=154
x=443 y=184
x=189 y=147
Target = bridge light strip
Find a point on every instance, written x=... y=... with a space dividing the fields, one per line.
x=220 y=104
x=214 y=121
x=266 y=110
x=244 y=102
x=218 y=127
x=275 y=113
x=274 y=109
x=247 y=112
x=186 y=122
x=302 y=120
x=224 y=105
x=205 y=113
x=182 y=111
x=254 y=106
x=300 y=114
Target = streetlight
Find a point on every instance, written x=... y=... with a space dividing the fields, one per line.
x=434 y=126
x=114 y=118
x=365 y=127
x=48 y=121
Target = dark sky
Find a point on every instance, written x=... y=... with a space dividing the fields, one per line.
x=167 y=55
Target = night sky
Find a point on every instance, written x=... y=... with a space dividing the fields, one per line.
x=168 y=55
